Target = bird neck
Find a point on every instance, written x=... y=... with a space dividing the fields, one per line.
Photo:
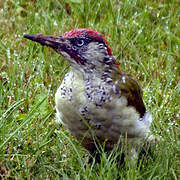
x=103 y=71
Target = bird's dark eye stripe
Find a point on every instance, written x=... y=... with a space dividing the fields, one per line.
x=80 y=41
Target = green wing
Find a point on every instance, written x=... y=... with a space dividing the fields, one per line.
x=129 y=88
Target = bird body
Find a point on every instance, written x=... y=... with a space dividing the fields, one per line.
x=102 y=106
x=95 y=95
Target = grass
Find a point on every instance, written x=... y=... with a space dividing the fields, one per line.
x=145 y=39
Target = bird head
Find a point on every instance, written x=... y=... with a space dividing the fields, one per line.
x=85 y=49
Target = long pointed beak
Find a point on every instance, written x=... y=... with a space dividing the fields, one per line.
x=51 y=41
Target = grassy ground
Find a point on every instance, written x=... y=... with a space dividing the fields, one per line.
x=145 y=38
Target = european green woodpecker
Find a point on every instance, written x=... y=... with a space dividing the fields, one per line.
x=96 y=98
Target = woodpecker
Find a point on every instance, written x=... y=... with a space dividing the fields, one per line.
x=95 y=97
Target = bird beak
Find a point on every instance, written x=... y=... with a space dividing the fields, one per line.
x=54 y=42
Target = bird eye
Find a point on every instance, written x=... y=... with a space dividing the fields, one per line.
x=80 y=42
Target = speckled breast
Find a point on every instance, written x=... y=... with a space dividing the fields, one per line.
x=81 y=104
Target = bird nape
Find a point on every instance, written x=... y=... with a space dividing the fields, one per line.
x=95 y=98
